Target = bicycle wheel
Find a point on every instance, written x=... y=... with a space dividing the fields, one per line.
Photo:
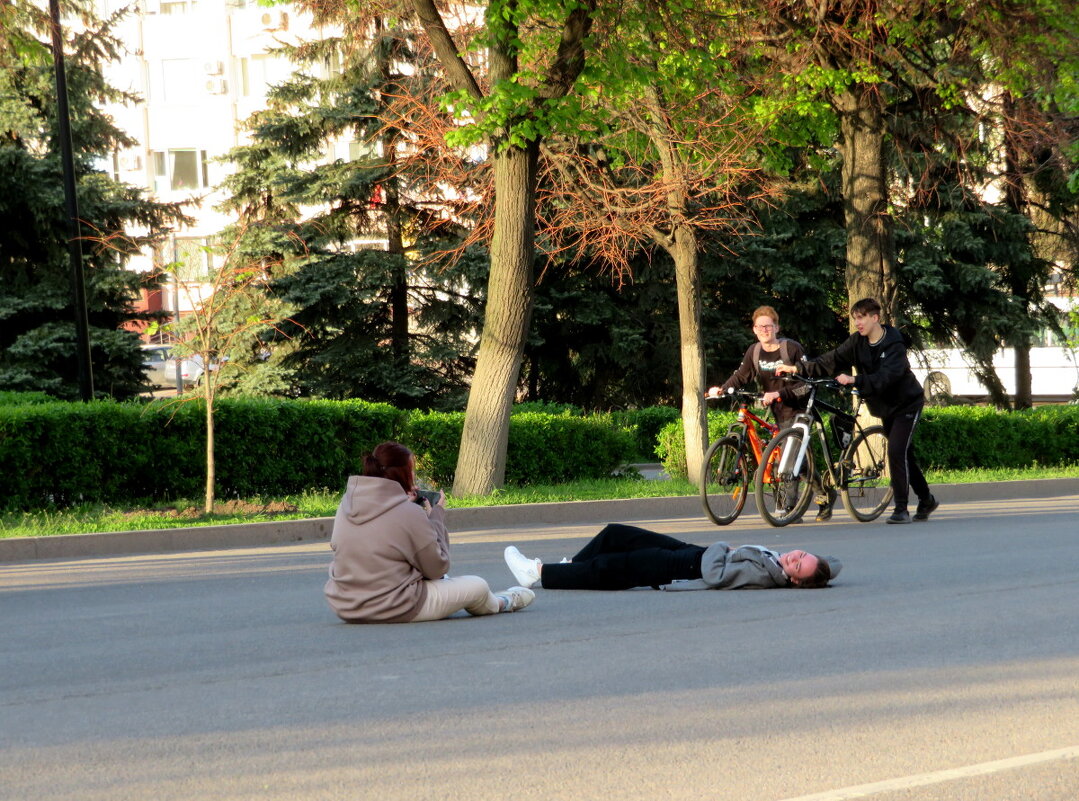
x=725 y=481
x=866 y=482
x=782 y=498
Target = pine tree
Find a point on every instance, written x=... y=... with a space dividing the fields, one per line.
x=37 y=329
x=381 y=321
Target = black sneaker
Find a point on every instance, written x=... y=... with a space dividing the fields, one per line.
x=824 y=510
x=899 y=517
x=926 y=508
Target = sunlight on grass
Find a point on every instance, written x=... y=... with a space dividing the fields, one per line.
x=186 y=513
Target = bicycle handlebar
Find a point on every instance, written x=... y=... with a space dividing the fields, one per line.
x=827 y=383
x=731 y=392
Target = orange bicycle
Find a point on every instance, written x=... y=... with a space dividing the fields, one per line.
x=732 y=461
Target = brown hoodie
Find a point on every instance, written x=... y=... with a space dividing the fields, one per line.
x=384 y=547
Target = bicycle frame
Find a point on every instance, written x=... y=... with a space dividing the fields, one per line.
x=746 y=428
x=791 y=461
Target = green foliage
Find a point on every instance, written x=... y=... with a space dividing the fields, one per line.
x=62 y=454
x=37 y=334
x=543 y=448
x=435 y=438
x=953 y=438
x=671 y=447
x=342 y=337
x=546 y=449
x=963 y=437
x=645 y=425
x=58 y=455
x=10 y=398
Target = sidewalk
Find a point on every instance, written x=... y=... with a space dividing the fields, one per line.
x=478 y=518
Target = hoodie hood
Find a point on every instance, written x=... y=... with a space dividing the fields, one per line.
x=369 y=497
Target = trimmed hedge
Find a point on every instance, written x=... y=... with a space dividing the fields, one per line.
x=671 y=441
x=542 y=449
x=645 y=424
x=59 y=454
x=960 y=437
x=949 y=438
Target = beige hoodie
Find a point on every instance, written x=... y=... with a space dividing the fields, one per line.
x=384 y=546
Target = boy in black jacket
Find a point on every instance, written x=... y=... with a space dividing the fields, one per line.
x=892 y=393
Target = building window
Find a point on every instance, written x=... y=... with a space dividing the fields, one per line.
x=363 y=151
x=191 y=257
x=194 y=256
x=177 y=6
x=180 y=170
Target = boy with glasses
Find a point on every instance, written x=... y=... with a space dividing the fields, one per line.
x=785 y=399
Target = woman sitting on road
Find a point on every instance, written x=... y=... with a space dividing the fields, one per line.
x=391 y=554
x=621 y=557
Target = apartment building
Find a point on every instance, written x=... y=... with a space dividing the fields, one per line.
x=202 y=68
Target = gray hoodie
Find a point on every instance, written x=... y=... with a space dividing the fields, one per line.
x=749 y=567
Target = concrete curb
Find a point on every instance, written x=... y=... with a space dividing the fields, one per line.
x=479 y=518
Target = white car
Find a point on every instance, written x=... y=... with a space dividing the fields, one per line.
x=161 y=367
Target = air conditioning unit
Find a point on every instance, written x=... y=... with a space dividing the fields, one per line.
x=275 y=21
x=213 y=67
x=216 y=86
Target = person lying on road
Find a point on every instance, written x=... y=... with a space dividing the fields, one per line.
x=621 y=557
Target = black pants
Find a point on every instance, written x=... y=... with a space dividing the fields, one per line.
x=621 y=557
x=906 y=474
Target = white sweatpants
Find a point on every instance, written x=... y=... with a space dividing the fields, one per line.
x=449 y=595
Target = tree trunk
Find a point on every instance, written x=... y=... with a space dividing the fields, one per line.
x=481 y=463
x=868 y=222
x=694 y=412
x=1020 y=279
x=211 y=468
x=1024 y=390
x=399 y=280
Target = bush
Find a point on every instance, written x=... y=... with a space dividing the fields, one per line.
x=435 y=438
x=547 y=449
x=949 y=438
x=60 y=454
x=645 y=425
x=9 y=398
x=548 y=407
x=961 y=437
x=671 y=447
x=543 y=448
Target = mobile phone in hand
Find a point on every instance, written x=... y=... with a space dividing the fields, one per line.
x=430 y=496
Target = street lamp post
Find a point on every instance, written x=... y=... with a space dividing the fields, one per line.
x=74 y=243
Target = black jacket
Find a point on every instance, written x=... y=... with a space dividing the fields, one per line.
x=884 y=376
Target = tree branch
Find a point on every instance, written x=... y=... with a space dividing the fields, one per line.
x=569 y=60
x=457 y=71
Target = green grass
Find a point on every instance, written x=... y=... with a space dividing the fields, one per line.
x=185 y=513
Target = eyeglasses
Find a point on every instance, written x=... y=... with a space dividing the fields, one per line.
x=765 y=327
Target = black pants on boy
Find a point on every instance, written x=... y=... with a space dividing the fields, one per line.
x=621 y=557
x=906 y=474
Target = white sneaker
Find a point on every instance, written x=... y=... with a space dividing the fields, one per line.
x=517 y=598
x=525 y=570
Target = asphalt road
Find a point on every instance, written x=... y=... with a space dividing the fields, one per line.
x=943 y=663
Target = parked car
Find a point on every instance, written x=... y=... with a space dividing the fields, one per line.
x=157 y=361
x=161 y=367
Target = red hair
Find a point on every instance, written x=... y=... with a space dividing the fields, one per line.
x=391 y=460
